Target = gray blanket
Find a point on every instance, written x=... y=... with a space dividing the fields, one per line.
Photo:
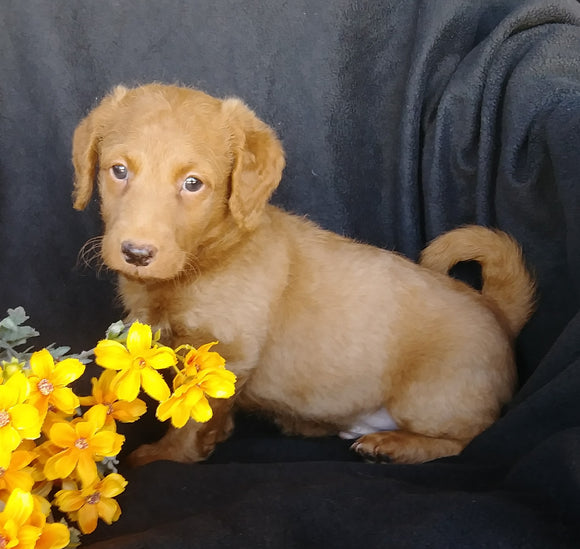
x=400 y=120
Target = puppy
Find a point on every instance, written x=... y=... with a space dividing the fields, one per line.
x=325 y=335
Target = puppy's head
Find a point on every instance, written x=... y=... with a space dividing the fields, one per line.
x=176 y=171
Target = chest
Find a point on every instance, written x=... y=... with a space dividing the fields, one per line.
x=233 y=313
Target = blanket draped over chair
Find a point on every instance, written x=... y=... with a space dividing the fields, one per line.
x=400 y=120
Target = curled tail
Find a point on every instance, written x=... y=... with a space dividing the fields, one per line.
x=506 y=281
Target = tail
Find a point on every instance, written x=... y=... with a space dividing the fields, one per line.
x=506 y=281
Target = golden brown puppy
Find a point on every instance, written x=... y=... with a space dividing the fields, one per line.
x=326 y=335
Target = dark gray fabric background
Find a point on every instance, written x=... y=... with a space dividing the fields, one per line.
x=400 y=120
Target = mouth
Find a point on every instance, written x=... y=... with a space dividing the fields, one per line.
x=143 y=273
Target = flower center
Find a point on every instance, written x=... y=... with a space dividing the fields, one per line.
x=4 y=418
x=2 y=471
x=93 y=498
x=141 y=362
x=109 y=406
x=3 y=542
x=81 y=443
x=45 y=387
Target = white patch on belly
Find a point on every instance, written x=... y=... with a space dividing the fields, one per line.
x=380 y=420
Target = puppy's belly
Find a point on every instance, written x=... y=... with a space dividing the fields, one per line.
x=337 y=400
x=364 y=424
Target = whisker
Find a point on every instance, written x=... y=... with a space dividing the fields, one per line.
x=89 y=255
x=190 y=270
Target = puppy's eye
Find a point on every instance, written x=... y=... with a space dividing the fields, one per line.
x=192 y=184
x=119 y=171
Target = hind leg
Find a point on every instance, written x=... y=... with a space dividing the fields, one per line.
x=456 y=375
x=434 y=419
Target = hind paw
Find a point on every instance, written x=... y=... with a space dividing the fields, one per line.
x=405 y=447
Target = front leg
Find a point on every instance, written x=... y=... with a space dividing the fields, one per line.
x=196 y=441
x=193 y=442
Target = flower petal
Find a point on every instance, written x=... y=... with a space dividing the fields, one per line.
x=111 y=354
x=7 y=397
x=180 y=415
x=84 y=430
x=65 y=400
x=202 y=349
x=54 y=536
x=27 y=536
x=202 y=411
x=42 y=364
x=90 y=400
x=39 y=401
x=161 y=357
x=97 y=384
x=219 y=386
x=193 y=395
x=108 y=510
x=128 y=412
x=26 y=419
x=107 y=443
x=139 y=338
x=62 y=434
x=102 y=391
x=87 y=468
x=154 y=384
x=61 y=465
x=18 y=507
x=17 y=479
x=127 y=384
x=18 y=388
x=96 y=416
x=165 y=409
x=69 y=500
x=112 y=485
x=66 y=371
x=87 y=518
x=20 y=459
x=10 y=438
x=5 y=457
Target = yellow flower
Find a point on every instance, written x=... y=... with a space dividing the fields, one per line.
x=119 y=410
x=203 y=358
x=83 y=442
x=49 y=382
x=18 y=474
x=189 y=400
x=16 y=532
x=137 y=364
x=18 y=420
x=94 y=501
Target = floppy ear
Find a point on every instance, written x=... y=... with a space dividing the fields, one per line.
x=85 y=154
x=258 y=163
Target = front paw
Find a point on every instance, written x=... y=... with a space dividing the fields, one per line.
x=146 y=453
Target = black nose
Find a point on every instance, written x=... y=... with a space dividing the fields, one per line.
x=139 y=255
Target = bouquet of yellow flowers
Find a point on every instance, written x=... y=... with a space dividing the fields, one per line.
x=57 y=450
